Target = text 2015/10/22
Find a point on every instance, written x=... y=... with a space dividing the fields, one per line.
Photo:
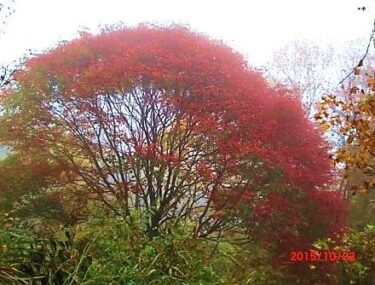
x=313 y=255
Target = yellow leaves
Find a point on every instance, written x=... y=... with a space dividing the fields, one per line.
x=347 y=107
x=351 y=111
x=325 y=126
x=340 y=155
x=3 y=248
x=367 y=104
x=371 y=82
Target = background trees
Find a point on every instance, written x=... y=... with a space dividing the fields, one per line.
x=313 y=69
x=305 y=67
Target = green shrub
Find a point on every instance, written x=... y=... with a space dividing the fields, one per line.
x=120 y=255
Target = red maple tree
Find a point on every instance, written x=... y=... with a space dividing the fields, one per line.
x=171 y=124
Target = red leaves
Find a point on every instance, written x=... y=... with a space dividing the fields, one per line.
x=204 y=171
x=176 y=112
x=295 y=220
x=174 y=58
x=331 y=210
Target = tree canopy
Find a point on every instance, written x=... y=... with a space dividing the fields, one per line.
x=170 y=124
x=164 y=143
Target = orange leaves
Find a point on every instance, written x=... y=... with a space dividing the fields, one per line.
x=325 y=127
x=371 y=82
x=351 y=113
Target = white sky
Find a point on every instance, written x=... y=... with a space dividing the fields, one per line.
x=255 y=28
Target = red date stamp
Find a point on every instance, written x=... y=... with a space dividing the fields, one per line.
x=331 y=256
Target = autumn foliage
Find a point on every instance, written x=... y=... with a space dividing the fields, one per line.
x=177 y=127
x=350 y=114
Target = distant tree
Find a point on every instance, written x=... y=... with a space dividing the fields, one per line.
x=304 y=67
x=312 y=70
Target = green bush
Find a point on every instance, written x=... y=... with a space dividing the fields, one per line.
x=103 y=251
x=120 y=255
x=362 y=271
x=28 y=259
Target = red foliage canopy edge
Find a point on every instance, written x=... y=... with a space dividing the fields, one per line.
x=231 y=104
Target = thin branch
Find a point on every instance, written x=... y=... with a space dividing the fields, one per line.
x=372 y=39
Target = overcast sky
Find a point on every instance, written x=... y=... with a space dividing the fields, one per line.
x=255 y=28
